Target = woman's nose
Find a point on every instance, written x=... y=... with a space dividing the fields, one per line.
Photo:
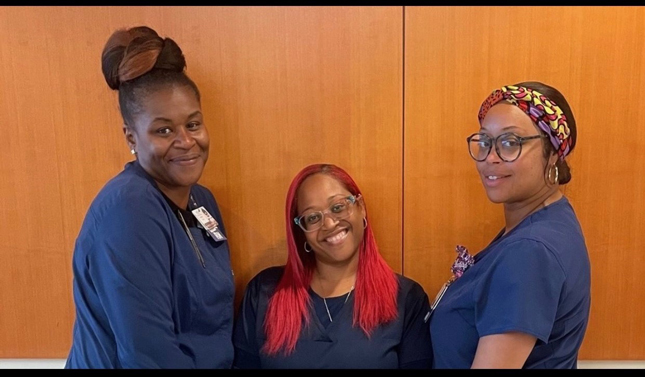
x=184 y=137
x=329 y=221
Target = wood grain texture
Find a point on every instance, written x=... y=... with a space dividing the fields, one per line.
x=282 y=87
x=388 y=93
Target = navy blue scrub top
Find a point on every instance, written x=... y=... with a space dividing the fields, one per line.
x=143 y=297
x=403 y=343
x=534 y=280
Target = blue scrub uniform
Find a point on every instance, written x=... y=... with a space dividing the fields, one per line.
x=535 y=280
x=143 y=297
x=403 y=343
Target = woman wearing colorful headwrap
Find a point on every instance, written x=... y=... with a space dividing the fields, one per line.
x=523 y=301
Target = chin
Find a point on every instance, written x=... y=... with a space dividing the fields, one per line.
x=187 y=179
x=189 y=176
x=496 y=197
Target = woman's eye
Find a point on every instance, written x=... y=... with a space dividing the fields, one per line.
x=193 y=125
x=340 y=207
x=164 y=131
x=312 y=219
x=510 y=143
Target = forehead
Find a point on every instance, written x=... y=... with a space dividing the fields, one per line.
x=170 y=102
x=505 y=117
x=317 y=190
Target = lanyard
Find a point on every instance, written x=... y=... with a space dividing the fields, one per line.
x=190 y=235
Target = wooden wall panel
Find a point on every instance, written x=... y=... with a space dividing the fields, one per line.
x=454 y=58
x=294 y=86
x=282 y=87
x=61 y=144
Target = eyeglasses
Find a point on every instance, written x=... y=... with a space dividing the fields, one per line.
x=507 y=145
x=338 y=210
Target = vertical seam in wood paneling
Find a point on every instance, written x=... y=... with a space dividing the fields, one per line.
x=403 y=141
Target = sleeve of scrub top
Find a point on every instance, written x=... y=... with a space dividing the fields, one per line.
x=415 y=351
x=244 y=334
x=132 y=272
x=522 y=291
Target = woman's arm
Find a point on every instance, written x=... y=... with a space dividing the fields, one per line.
x=503 y=351
x=131 y=270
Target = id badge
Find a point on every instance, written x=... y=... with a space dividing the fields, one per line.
x=209 y=223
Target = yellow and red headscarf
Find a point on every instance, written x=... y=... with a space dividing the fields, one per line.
x=545 y=113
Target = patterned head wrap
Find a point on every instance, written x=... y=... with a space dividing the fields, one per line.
x=544 y=112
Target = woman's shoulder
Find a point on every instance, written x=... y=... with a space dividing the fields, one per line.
x=557 y=217
x=553 y=227
x=128 y=183
x=410 y=286
x=265 y=281
x=127 y=192
x=413 y=299
x=269 y=276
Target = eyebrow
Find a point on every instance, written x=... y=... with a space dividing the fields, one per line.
x=166 y=120
x=328 y=199
x=508 y=128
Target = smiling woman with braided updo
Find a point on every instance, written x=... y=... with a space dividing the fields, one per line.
x=153 y=285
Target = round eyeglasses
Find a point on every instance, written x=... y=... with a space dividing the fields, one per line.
x=338 y=210
x=507 y=145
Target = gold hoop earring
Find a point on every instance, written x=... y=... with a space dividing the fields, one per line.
x=307 y=250
x=364 y=222
x=556 y=174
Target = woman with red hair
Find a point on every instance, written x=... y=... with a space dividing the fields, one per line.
x=336 y=303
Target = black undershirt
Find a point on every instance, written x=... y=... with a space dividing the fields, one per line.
x=190 y=220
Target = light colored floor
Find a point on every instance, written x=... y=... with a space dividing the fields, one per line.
x=59 y=363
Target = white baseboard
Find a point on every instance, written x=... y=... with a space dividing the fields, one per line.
x=611 y=364
x=32 y=363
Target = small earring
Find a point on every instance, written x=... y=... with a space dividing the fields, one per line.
x=307 y=250
x=133 y=151
x=364 y=222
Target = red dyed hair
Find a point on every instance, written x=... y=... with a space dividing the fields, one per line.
x=375 y=288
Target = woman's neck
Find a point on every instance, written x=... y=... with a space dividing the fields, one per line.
x=515 y=213
x=178 y=195
x=332 y=281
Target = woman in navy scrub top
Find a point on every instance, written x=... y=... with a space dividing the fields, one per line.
x=153 y=285
x=523 y=301
x=336 y=303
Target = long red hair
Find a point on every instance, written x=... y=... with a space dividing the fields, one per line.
x=375 y=288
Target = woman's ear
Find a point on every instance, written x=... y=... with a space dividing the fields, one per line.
x=553 y=159
x=361 y=204
x=129 y=136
